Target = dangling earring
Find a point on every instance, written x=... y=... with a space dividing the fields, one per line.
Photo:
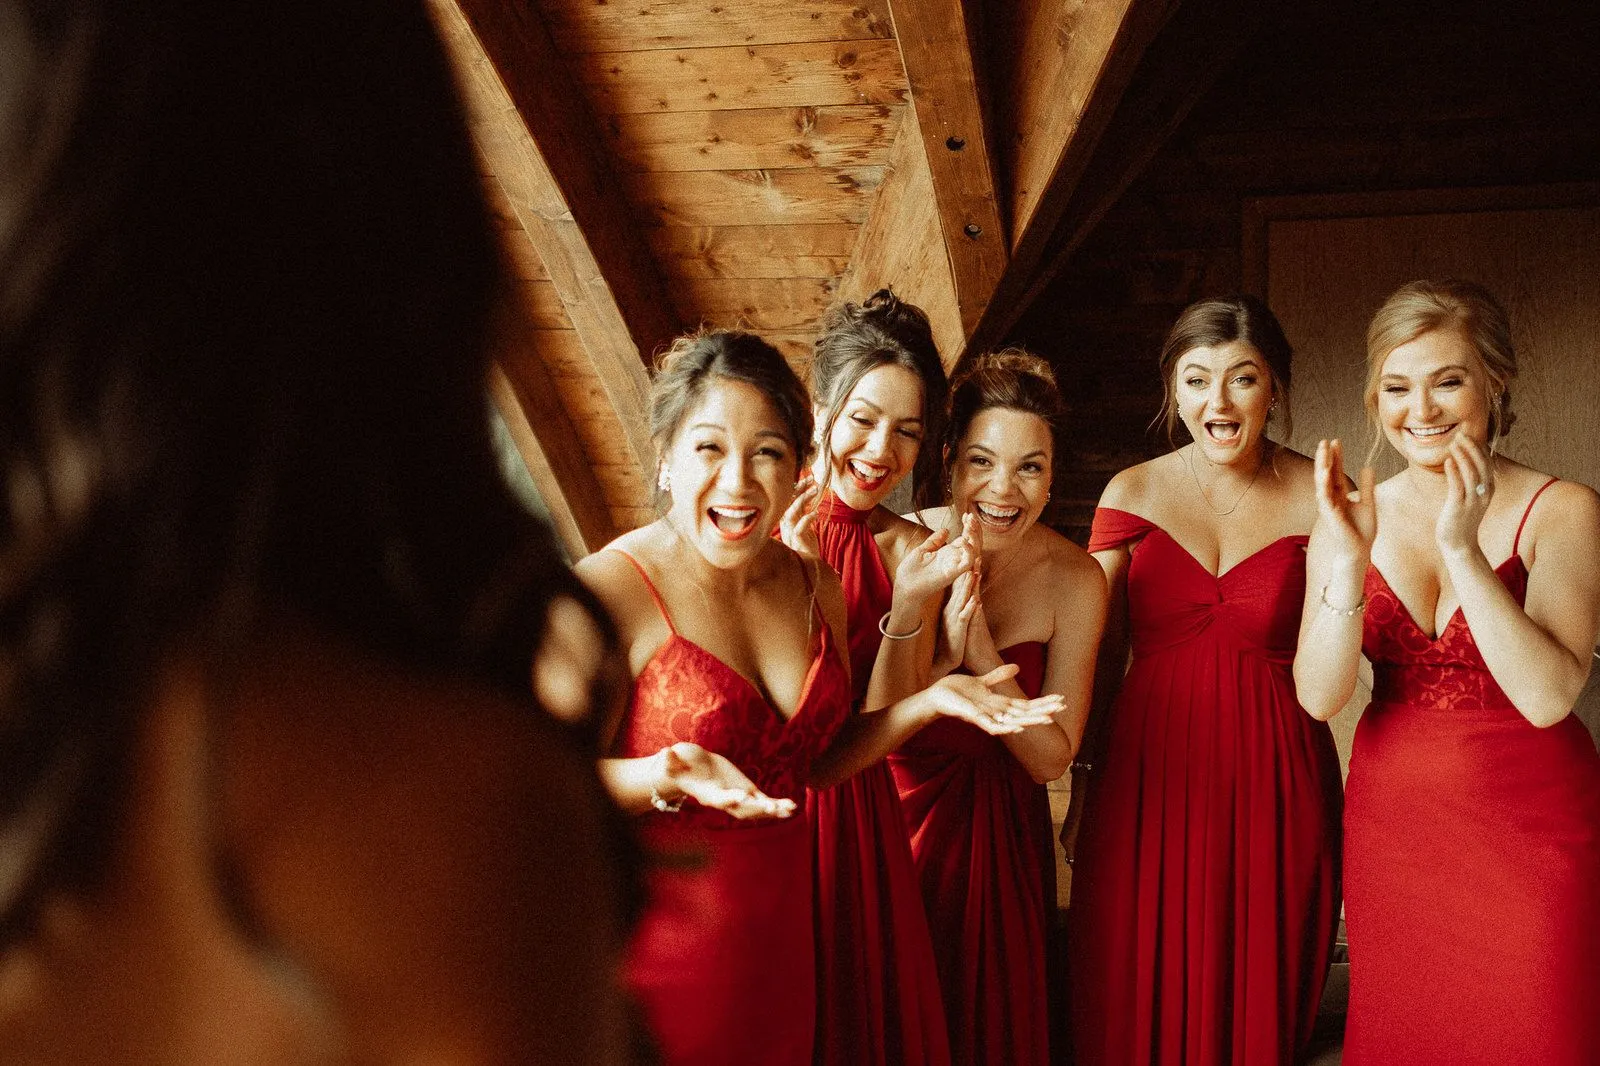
x=664 y=480
x=1272 y=409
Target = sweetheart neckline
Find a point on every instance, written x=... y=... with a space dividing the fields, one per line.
x=1157 y=527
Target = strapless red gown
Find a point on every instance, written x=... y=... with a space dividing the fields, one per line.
x=1205 y=892
x=1472 y=842
x=980 y=835
x=723 y=958
x=878 y=1001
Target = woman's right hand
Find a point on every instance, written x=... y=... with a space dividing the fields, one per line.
x=1348 y=520
x=712 y=781
x=797 y=528
x=929 y=568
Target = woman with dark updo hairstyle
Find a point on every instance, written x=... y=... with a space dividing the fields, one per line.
x=975 y=804
x=741 y=686
x=273 y=788
x=1205 y=887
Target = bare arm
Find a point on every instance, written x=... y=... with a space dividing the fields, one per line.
x=923 y=569
x=1329 y=650
x=1539 y=654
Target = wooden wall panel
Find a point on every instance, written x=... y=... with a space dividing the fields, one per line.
x=768 y=138
x=756 y=197
x=587 y=26
x=717 y=79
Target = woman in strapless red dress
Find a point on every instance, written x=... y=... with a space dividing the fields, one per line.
x=1205 y=881
x=1472 y=815
x=976 y=805
x=741 y=684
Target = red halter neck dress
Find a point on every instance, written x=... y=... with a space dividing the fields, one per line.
x=980 y=836
x=1472 y=850
x=723 y=958
x=1205 y=894
x=878 y=1000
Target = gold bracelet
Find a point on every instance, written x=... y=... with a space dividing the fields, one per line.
x=883 y=627
x=1350 y=613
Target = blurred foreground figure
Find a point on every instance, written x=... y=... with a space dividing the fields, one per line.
x=271 y=785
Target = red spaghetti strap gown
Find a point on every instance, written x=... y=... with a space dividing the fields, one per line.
x=1473 y=848
x=723 y=960
x=980 y=835
x=878 y=1001
x=1206 y=888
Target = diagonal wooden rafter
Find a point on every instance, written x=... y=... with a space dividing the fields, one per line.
x=1071 y=63
x=537 y=137
x=937 y=51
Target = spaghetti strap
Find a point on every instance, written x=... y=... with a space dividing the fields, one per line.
x=1516 y=542
x=650 y=585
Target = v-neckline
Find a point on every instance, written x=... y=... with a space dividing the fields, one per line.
x=1195 y=559
x=755 y=690
x=1450 y=619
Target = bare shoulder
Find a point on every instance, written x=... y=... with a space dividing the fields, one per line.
x=1071 y=566
x=897 y=534
x=613 y=576
x=1569 y=509
x=1140 y=488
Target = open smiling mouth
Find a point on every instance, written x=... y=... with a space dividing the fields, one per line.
x=1430 y=434
x=867 y=476
x=734 y=523
x=1223 y=432
x=997 y=517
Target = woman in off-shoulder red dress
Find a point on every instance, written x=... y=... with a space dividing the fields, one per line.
x=976 y=805
x=1205 y=884
x=1472 y=817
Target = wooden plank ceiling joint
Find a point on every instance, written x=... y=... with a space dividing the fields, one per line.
x=937 y=51
x=537 y=136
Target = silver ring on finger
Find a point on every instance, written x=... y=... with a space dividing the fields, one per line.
x=1481 y=488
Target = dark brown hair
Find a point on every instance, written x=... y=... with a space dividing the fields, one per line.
x=1212 y=322
x=1012 y=379
x=694 y=361
x=857 y=339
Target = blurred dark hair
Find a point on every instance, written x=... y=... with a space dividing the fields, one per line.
x=245 y=280
x=694 y=361
x=857 y=339
x=1209 y=323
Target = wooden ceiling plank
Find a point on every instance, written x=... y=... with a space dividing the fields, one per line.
x=585 y=26
x=769 y=138
x=756 y=304
x=570 y=491
x=755 y=197
x=902 y=245
x=807 y=250
x=1071 y=63
x=721 y=79
x=945 y=97
x=537 y=137
x=1183 y=64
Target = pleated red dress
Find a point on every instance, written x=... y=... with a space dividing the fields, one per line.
x=878 y=1001
x=1472 y=842
x=723 y=958
x=980 y=836
x=1206 y=888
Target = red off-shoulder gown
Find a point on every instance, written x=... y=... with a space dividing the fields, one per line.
x=723 y=958
x=980 y=835
x=1472 y=844
x=878 y=1001
x=1206 y=889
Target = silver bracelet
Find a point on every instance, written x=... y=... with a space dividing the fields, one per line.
x=1341 y=611
x=883 y=627
x=662 y=805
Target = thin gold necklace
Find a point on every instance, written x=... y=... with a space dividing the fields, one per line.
x=1261 y=462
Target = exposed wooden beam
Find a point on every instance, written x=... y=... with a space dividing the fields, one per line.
x=902 y=245
x=1071 y=60
x=937 y=52
x=1185 y=61
x=538 y=139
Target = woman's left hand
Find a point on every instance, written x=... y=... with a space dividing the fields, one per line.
x=972 y=699
x=797 y=528
x=1469 y=486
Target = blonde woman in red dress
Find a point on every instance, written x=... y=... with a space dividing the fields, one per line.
x=1472 y=814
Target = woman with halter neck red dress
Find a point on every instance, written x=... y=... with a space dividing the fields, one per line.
x=1205 y=883
x=740 y=688
x=1472 y=812
x=976 y=805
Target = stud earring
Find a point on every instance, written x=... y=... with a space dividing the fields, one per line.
x=664 y=480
